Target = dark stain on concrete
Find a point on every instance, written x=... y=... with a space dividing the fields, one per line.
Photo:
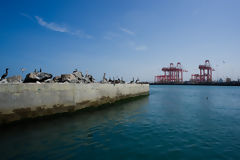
x=42 y=111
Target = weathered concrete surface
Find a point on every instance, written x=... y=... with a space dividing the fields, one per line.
x=20 y=101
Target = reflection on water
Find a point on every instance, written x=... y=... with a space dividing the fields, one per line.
x=174 y=122
x=63 y=134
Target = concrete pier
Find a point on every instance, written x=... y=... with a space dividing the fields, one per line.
x=21 y=101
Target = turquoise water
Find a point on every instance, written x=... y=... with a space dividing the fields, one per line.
x=174 y=122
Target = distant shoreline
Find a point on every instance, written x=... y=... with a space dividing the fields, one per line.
x=201 y=84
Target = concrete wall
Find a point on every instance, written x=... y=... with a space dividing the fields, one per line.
x=20 y=101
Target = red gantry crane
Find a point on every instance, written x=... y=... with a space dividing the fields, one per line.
x=172 y=74
x=205 y=73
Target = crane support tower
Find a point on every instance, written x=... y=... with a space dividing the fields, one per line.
x=172 y=74
x=205 y=73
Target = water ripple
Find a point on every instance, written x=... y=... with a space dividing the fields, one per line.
x=174 y=122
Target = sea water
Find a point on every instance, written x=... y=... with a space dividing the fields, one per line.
x=173 y=122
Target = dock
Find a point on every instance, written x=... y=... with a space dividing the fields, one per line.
x=31 y=100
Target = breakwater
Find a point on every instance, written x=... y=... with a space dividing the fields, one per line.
x=21 y=101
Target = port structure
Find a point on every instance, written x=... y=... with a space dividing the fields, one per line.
x=172 y=74
x=205 y=73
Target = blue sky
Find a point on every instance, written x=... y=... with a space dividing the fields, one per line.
x=124 y=38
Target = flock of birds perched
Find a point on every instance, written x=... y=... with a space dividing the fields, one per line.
x=105 y=80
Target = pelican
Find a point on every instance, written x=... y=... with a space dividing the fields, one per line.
x=132 y=80
x=137 y=80
x=104 y=80
x=110 y=80
x=5 y=74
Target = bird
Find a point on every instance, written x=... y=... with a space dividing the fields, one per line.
x=5 y=74
x=104 y=80
x=22 y=69
x=137 y=80
x=40 y=70
x=110 y=80
x=118 y=80
x=91 y=78
x=122 y=81
x=132 y=80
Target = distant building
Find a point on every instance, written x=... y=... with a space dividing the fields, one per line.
x=220 y=80
x=228 y=80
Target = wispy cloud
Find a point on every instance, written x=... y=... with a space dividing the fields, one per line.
x=116 y=34
x=27 y=16
x=57 y=27
x=80 y=33
x=136 y=47
x=127 y=31
x=51 y=25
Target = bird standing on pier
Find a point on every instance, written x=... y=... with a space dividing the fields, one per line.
x=104 y=80
x=137 y=80
x=4 y=75
x=132 y=80
x=40 y=70
x=110 y=80
x=122 y=81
